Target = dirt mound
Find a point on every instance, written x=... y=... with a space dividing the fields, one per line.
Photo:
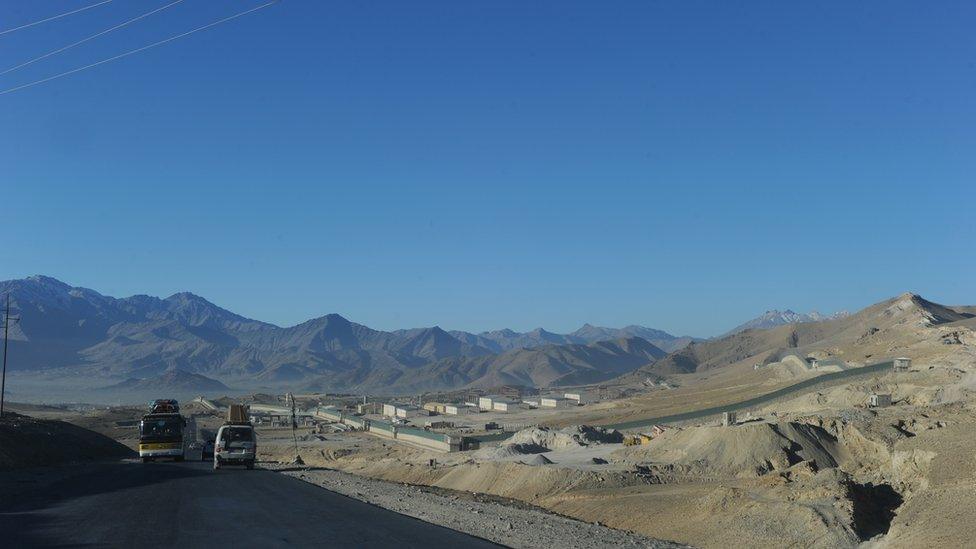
x=538 y=459
x=570 y=437
x=748 y=450
x=508 y=450
x=30 y=442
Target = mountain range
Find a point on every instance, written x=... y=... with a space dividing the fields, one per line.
x=184 y=341
x=70 y=331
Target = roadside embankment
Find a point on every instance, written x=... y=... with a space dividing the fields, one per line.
x=510 y=523
x=31 y=442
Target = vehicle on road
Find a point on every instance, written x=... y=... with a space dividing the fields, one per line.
x=236 y=445
x=161 y=435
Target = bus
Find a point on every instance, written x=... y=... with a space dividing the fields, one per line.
x=161 y=432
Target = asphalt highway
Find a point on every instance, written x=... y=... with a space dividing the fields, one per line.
x=131 y=504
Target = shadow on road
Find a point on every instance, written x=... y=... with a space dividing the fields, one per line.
x=21 y=515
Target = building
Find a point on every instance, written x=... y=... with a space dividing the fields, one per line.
x=903 y=364
x=487 y=402
x=879 y=400
x=436 y=407
x=531 y=402
x=556 y=402
x=505 y=404
x=458 y=409
x=404 y=411
x=728 y=418
x=389 y=410
x=580 y=397
x=368 y=408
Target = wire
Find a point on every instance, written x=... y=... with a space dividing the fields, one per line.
x=92 y=37
x=137 y=50
x=54 y=17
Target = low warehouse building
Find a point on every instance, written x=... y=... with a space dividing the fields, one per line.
x=389 y=410
x=458 y=409
x=487 y=402
x=506 y=405
x=580 y=397
x=903 y=364
x=556 y=402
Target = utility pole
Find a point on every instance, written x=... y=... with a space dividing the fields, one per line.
x=6 y=330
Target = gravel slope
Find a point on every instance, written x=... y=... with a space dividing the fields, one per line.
x=509 y=523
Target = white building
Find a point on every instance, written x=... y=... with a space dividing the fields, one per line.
x=903 y=364
x=556 y=402
x=404 y=411
x=531 y=403
x=487 y=402
x=505 y=405
x=389 y=410
x=456 y=409
x=580 y=397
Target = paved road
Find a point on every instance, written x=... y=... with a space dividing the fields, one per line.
x=131 y=504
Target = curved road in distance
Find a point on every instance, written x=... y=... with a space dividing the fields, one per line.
x=131 y=504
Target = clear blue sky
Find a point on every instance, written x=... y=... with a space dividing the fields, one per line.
x=679 y=164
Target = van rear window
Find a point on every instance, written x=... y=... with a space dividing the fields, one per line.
x=237 y=434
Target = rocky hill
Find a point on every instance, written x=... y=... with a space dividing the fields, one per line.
x=905 y=325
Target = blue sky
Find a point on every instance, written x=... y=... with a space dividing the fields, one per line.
x=476 y=165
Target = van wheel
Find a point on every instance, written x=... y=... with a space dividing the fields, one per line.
x=250 y=465
x=146 y=459
x=178 y=459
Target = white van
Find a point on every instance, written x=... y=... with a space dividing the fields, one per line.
x=235 y=445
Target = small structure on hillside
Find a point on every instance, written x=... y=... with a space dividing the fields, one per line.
x=903 y=364
x=879 y=400
x=728 y=419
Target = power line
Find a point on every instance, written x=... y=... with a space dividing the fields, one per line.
x=92 y=37
x=137 y=50
x=54 y=17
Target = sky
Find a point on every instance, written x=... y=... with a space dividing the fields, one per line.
x=684 y=165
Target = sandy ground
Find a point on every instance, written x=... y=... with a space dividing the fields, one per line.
x=818 y=470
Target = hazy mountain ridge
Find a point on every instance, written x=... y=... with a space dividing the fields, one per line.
x=73 y=330
x=507 y=340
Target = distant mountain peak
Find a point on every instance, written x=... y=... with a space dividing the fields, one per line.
x=776 y=317
x=47 y=281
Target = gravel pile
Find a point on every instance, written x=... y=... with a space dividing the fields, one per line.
x=512 y=524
